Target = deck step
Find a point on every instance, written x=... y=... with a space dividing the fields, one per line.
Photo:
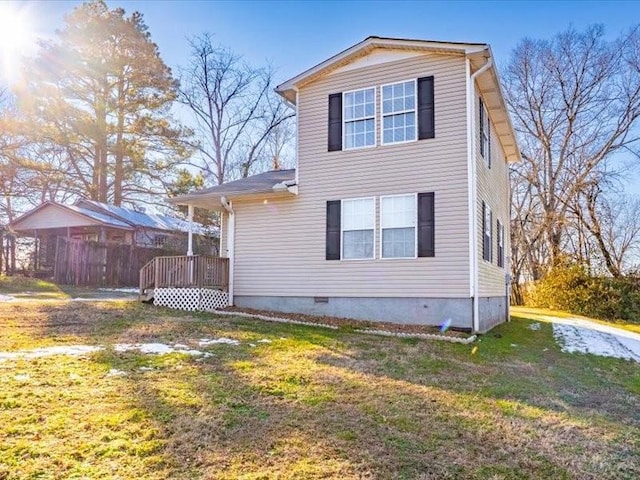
x=147 y=296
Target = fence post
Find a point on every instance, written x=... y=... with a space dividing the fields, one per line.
x=156 y=272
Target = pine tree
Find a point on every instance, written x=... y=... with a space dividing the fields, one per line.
x=102 y=93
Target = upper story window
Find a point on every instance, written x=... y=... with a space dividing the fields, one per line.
x=358 y=223
x=360 y=118
x=398 y=226
x=399 y=112
x=407 y=113
x=485 y=134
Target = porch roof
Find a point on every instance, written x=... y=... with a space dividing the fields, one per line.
x=267 y=184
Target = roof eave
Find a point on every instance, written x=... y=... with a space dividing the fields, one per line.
x=514 y=154
x=213 y=200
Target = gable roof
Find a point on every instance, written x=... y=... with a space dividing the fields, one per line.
x=90 y=212
x=85 y=217
x=287 y=89
x=140 y=219
x=266 y=183
x=477 y=53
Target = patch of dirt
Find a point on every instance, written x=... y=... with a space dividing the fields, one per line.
x=352 y=323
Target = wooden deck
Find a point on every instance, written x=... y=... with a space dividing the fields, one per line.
x=184 y=271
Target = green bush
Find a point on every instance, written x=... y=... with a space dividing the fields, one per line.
x=571 y=288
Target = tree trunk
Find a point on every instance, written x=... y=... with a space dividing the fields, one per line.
x=119 y=154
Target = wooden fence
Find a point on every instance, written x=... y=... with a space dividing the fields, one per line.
x=85 y=263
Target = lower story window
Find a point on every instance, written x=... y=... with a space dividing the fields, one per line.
x=358 y=223
x=398 y=226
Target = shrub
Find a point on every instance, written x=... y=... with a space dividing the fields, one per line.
x=571 y=288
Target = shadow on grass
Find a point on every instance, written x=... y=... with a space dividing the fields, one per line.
x=317 y=403
x=321 y=407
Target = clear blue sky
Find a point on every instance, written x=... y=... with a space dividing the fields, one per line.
x=294 y=35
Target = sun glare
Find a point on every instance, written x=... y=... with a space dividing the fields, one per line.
x=16 y=38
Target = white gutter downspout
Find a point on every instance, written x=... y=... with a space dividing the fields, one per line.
x=472 y=186
x=231 y=235
x=297 y=137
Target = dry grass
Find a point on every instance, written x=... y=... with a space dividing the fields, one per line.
x=313 y=403
x=544 y=314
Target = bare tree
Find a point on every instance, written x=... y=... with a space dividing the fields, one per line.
x=575 y=101
x=609 y=223
x=234 y=109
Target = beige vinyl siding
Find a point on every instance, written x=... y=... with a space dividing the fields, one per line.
x=493 y=188
x=280 y=244
x=52 y=216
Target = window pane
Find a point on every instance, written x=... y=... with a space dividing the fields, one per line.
x=369 y=94
x=370 y=109
x=370 y=125
x=370 y=138
x=409 y=103
x=410 y=133
x=398 y=242
x=397 y=212
x=348 y=99
x=409 y=88
x=357 y=244
x=410 y=119
x=358 y=214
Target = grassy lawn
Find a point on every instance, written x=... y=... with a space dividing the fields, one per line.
x=311 y=403
x=34 y=288
x=24 y=287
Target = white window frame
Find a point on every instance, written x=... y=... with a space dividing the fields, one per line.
x=488 y=224
x=415 y=111
x=342 y=230
x=375 y=119
x=415 y=226
x=486 y=130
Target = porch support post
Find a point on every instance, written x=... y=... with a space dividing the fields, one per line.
x=36 y=254
x=190 y=238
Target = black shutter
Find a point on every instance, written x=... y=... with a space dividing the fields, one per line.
x=484 y=231
x=333 y=230
x=335 y=122
x=500 y=244
x=426 y=108
x=481 y=108
x=426 y=225
x=490 y=239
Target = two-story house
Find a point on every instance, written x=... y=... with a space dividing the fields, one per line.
x=398 y=209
